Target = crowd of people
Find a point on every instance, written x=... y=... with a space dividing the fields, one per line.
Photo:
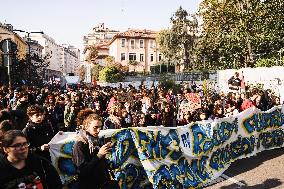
x=30 y=117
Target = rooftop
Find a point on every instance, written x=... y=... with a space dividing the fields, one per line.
x=135 y=33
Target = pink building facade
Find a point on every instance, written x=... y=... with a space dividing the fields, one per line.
x=135 y=45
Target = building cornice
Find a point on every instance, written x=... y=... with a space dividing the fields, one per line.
x=135 y=34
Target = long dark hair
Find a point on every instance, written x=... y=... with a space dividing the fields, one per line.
x=8 y=138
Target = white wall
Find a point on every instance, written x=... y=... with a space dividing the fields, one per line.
x=267 y=76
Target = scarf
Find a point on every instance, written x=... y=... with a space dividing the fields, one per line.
x=92 y=141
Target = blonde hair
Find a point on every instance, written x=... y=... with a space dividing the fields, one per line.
x=90 y=118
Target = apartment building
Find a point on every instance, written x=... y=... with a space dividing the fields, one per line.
x=52 y=50
x=100 y=36
x=136 y=45
x=98 y=33
x=64 y=59
x=34 y=48
x=6 y=32
x=70 y=59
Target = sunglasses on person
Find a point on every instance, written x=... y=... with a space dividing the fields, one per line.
x=19 y=146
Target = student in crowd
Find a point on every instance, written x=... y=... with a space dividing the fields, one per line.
x=167 y=116
x=114 y=119
x=247 y=101
x=19 y=169
x=218 y=112
x=89 y=156
x=185 y=118
x=234 y=82
x=20 y=109
x=81 y=116
x=4 y=127
x=230 y=109
x=39 y=131
x=71 y=115
x=276 y=101
x=126 y=119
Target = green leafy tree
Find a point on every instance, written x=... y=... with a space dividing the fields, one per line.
x=110 y=74
x=267 y=62
x=237 y=33
x=109 y=60
x=95 y=71
x=179 y=42
x=91 y=53
x=168 y=45
x=31 y=70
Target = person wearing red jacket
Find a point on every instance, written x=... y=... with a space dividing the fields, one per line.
x=247 y=103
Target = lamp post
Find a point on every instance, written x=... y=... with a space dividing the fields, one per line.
x=29 y=50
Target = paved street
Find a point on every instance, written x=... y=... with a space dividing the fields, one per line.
x=264 y=171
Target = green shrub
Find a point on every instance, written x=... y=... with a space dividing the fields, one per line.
x=167 y=84
x=110 y=74
x=266 y=62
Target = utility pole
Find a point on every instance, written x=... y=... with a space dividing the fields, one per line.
x=8 y=64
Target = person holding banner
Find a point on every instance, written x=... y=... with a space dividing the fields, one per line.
x=89 y=156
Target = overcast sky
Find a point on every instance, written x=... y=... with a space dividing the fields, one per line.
x=67 y=21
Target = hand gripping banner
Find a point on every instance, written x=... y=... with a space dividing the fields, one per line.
x=191 y=155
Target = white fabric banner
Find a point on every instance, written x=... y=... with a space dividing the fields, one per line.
x=187 y=156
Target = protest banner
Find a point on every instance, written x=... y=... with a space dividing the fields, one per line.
x=191 y=155
x=193 y=97
x=61 y=147
x=194 y=101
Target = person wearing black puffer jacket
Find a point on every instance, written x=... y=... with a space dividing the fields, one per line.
x=39 y=131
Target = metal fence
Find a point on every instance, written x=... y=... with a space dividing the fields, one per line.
x=192 y=76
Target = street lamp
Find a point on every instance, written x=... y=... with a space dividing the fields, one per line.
x=29 y=49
